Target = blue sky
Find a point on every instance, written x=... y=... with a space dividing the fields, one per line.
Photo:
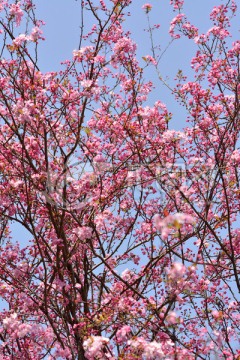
x=62 y=30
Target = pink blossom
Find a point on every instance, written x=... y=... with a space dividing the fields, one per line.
x=123 y=333
x=36 y=34
x=172 y=317
x=177 y=4
x=235 y=157
x=2 y=4
x=150 y=350
x=17 y=12
x=17 y=328
x=137 y=343
x=219 y=32
x=177 y=271
x=147 y=7
x=8 y=321
x=176 y=21
x=84 y=232
x=190 y=30
x=61 y=353
x=126 y=274
x=201 y=39
x=172 y=221
x=124 y=46
x=150 y=59
x=216 y=314
x=99 y=59
x=23 y=329
x=93 y=347
x=86 y=83
x=153 y=351
x=83 y=53
x=21 y=39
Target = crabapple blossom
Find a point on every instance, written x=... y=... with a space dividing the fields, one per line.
x=172 y=221
x=147 y=7
x=133 y=241
x=20 y=40
x=177 y=4
x=16 y=11
x=123 y=333
x=94 y=347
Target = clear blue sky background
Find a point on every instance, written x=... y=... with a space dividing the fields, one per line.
x=62 y=30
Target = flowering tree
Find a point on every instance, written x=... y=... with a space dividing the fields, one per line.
x=132 y=256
